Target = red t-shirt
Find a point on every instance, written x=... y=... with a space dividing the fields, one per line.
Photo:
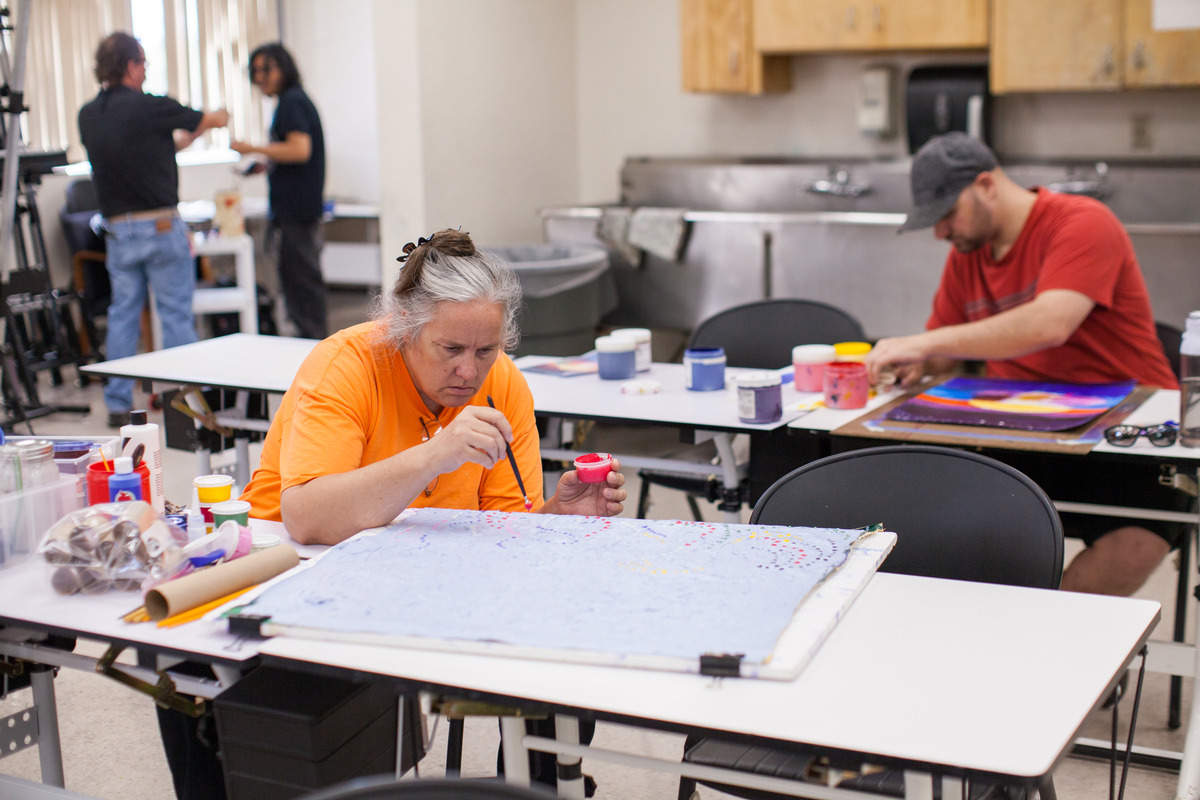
x=1068 y=242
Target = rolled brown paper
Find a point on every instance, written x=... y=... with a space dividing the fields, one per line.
x=182 y=594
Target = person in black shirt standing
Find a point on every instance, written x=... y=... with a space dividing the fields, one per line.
x=131 y=139
x=296 y=177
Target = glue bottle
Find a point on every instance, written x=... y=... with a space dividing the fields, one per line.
x=140 y=431
x=124 y=484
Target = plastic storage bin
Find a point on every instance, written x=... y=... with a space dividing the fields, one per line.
x=285 y=734
x=567 y=289
x=25 y=517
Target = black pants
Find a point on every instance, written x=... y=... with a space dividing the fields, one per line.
x=191 y=747
x=298 y=259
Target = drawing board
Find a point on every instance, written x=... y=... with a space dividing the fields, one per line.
x=748 y=600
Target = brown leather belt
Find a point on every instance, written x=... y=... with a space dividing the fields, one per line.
x=140 y=216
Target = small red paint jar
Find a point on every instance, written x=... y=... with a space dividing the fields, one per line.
x=846 y=385
x=594 y=467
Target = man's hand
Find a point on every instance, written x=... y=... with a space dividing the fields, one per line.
x=589 y=499
x=904 y=355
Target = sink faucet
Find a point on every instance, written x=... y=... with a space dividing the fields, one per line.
x=1097 y=188
x=838 y=184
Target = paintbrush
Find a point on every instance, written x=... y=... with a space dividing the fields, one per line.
x=513 y=460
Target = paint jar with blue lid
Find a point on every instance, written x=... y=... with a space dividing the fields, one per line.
x=704 y=368
x=616 y=357
x=760 y=397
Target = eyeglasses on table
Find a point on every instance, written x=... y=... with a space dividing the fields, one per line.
x=1163 y=435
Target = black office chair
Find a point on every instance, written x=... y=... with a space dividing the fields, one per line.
x=956 y=515
x=1171 y=339
x=80 y=220
x=758 y=335
x=386 y=787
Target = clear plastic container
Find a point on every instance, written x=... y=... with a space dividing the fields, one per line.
x=27 y=464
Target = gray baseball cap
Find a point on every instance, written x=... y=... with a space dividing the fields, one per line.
x=942 y=168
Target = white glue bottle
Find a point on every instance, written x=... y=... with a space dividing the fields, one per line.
x=139 y=431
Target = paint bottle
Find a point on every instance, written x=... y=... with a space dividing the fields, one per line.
x=642 y=337
x=704 y=368
x=140 y=431
x=616 y=358
x=124 y=484
x=808 y=365
x=760 y=397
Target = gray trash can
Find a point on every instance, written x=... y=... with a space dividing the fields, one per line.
x=567 y=289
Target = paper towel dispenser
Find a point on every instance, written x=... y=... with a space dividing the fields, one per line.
x=947 y=98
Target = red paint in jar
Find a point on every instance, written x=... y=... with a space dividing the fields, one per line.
x=594 y=467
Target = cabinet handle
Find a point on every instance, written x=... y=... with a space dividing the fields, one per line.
x=1138 y=58
x=1107 y=62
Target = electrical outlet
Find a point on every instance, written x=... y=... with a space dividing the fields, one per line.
x=1141 y=138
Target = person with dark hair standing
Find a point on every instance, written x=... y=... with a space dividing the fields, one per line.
x=131 y=139
x=296 y=176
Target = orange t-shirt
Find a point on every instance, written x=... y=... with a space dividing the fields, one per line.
x=353 y=403
x=1068 y=242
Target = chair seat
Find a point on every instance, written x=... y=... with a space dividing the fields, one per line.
x=751 y=758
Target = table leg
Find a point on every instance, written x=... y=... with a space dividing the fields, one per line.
x=516 y=757
x=241 y=466
x=203 y=461
x=49 y=746
x=570 y=768
x=729 y=471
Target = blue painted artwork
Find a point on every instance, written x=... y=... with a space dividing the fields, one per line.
x=610 y=585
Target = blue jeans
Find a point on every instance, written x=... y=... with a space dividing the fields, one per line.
x=140 y=255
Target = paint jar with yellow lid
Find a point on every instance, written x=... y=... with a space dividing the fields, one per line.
x=851 y=351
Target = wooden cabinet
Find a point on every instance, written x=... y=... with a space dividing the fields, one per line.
x=1087 y=44
x=1158 y=58
x=806 y=26
x=719 y=53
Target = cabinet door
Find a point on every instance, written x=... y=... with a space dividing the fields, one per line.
x=1158 y=58
x=718 y=53
x=1064 y=44
x=797 y=26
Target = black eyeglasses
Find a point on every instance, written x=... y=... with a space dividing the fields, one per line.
x=1125 y=435
x=425 y=437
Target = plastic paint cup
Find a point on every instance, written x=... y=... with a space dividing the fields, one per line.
x=852 y=351
x=213 y=488
x=808 y=362
x=845 y=385
x=759 y=397
x=594 y=467
x=97 y=481
x=642 y=337
x=236 y=510
x=616 y=358
x=704 y=368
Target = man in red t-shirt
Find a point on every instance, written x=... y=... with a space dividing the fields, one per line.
x=1039 y=286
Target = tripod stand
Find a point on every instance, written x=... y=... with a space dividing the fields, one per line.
x=39 y=330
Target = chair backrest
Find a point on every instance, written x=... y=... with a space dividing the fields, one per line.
x=386 y=787
x=955 y=514
x=761 y=335
x=81 y=196
x=1171 y=339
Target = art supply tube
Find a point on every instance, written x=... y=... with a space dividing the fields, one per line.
x=616 y=358
x=808 y=363
x=141 y=431
x=846 y=385
x=236 y=510
x=760 y=397
x=210 y=490
x=642 y=337
x=704 y=368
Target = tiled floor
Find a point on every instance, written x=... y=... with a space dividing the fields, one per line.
x=110 y=738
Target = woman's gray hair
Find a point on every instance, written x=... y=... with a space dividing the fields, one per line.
x=447 y=267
